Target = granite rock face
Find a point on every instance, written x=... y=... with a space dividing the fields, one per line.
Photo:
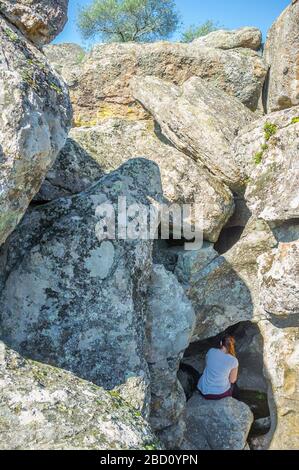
x=248 y=38
x=93 y=151
x=83 y=298
x=281 y=346
x=67 y=59
x=35 y=117
x=223 y=424
x=199 y=120
x=40 y=21
x=279 y=275
x=282 y=55
x=169 y=327
x=267 y=151
x=225 y=290
x=44 y=408
x=101 y=86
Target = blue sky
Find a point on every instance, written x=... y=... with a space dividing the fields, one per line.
x=229 y=13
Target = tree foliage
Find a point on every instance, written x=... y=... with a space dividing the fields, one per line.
x=129 y=20
x=194 y=32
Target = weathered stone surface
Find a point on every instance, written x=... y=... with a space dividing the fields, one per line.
x=224 y=424
x=250 y=38
x=281 y=347
x=225 y=291
x=82 y=299
x=279 y=280
x=40 y=21
x=44 y=408
x=189 y=263
x=74 y=171
x=169 y=326
x=282 y=54
x=35 y=115
x=113 y=142
x=198 y=119
x=103 y=81
x=67 y=59
x=267 y=150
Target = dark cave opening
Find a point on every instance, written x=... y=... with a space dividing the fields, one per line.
x=229 y=236
x=252 y=387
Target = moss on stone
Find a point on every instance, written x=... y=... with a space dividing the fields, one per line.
x=270 y=129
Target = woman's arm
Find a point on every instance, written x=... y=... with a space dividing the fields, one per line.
x=233 y=376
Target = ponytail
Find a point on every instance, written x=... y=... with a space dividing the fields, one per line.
x=229 y=343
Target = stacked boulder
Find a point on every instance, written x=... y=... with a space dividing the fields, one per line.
x=110 y=310
x=35 y=110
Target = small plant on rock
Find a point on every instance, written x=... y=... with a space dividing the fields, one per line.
x=270 y=130
x=258 y=157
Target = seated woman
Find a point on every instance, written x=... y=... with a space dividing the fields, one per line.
x=221 y=371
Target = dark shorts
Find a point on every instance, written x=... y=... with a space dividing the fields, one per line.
x=229 y=393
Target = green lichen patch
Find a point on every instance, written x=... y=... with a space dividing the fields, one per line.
x=11 y=35
x=295 y=120
x=270 y=129
x=258 y=157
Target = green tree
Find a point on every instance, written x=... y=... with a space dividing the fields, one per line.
x=129 y=20
x=194 y=32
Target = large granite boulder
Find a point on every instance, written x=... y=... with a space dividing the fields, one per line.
x=223 y=424
x=281 y=360
x=102 y=84
x=67 y=59
x=225 y=291
x=169 y=327
x=279 y=275
x=199 y=120
x=282 y=54
x=35 y=117
x=267 y=152
x=82 y=298
x=44 y=408
x=93 y=151
x=248 y=38
x=279 y=301
x=73 y=171
x=40 y=21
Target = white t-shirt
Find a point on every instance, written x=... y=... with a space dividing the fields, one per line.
x=215 y=379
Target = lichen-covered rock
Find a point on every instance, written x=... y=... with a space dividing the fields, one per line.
x=279 y=276
x=189 y=263
x=267 y=153
x=35 y=117
x=249 y=38
x=102 y=87
x=39 y=20
x=73 y=171
x=67 y=59
x=103 y=148
x=281 y=359
x=282 y=54
x=198 y=119
x=225 y=291
x=223 y=424
x=83 y=299
x=169 y=327
x=44 y=408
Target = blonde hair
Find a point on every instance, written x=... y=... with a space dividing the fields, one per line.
x=229 y=343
